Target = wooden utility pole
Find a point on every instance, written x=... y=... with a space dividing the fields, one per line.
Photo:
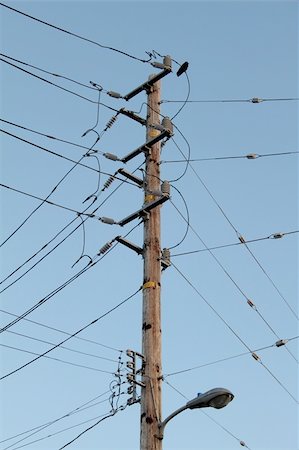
x=151 y=316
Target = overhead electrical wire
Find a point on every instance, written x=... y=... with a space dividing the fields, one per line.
x=58 y=330
x=70 y=413
x=98 y=257
x=56 y=359
x=70 y=33
x=89 y=86
x=250 y=156
x=63 y=347
x=48 y=135
x=235 y=334
x=57 y=245
x=250 y=100
x=41 y=428
x=248 y=300
x=228 y=358
x=235 y=230
x=74 y=334
x=233 y=244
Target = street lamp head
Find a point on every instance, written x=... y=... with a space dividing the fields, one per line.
x=216 y=398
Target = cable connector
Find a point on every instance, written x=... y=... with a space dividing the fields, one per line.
x=252 y=156
x=255 y=356
x=281 y=342
x=277 y=236
x=256 y=100
x=242 y=443
x=241 y=239
x=251 y=304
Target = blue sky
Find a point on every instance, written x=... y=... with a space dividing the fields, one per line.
x=235 y=50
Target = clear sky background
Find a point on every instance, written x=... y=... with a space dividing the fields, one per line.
x=235 y=50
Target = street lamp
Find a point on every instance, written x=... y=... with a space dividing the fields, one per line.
x=216 y=398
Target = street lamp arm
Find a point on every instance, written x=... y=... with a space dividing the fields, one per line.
x=165 y=422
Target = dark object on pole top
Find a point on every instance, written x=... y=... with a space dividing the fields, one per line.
x=183 y=68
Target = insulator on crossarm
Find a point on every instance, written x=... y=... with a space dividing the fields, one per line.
x=114 y=94
x=107 y=220
x=111 y=156
x=105 y=248
x=111 y=122
x=108 y=182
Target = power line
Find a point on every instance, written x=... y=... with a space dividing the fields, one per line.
x=44 y=200
x=48 y=136
x=46 y=425
x=76 y=35
x=49 y=73
x=91 y=264
x=63 y=347
x=55 y=359
x=271 y=236
x=249 y=302
x=57 y=245
x=237 y=233
x=250 y=156
x=63 y=332
x=73 y=335
x=236 y=335
x=228 y=358
x=250 y=100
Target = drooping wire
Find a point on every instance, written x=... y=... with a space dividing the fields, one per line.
x=228 y=358
x=251 y=156
x=251 y=100
x=187 y=218
x=62 y=241
x=90 y=341
x=39 y=428
x=234 y=244
x=56 y=359
x=77 y=35
x=187 y=97
x=74 y=334
x=235 y=334
x=62 y=346
x=89 y=86
x=95 y=261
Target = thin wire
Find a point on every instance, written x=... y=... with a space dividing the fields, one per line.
x=44 y=200
x=190 y=369
x=187 y=219
x=74 y=334
x=48 y=136
x=187 y=97
x=76 y=35
x=65 y=348
x=62 y=331
x=56 y=359
x=256 y=156
x=237 y=336
x=57 y=432
x=74 y=411
x=93 y=262
x=232 y=100
x=237 y=286
x=49 y=73
x=231 y=245
x=62 y=241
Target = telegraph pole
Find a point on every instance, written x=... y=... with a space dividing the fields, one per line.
x=151 y=316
